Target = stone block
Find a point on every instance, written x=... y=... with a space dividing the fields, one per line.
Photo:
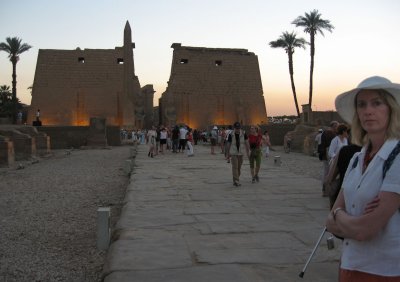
x=24 y=144
x=103 y=228
x=7 y=156
x=41 y=138
x=97 y=132
x=42 y=144
x=113 y=135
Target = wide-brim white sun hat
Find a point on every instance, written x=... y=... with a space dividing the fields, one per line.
x=345 y=103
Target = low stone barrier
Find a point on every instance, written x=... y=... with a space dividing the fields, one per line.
x=24 y=144
x=7 y=156
x=41 y=138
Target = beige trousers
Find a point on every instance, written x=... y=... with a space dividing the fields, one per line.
x=236 y=161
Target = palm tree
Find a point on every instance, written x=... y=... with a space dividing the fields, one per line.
x=312 y=24
x=290 y=41
x=14 y=48
x=5 y=101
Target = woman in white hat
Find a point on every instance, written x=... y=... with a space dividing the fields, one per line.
x=367 y=211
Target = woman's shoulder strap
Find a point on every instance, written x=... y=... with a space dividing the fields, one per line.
x=392 y=156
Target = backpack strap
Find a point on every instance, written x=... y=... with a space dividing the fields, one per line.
x=388 y=163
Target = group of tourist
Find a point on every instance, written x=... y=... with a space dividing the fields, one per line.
x=176 y=139
x=232 y=141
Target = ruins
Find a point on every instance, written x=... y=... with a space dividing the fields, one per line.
x=72 y=86
x=207 y=86
x=210 y=86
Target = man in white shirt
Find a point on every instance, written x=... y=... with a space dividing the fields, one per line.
x=182 y=139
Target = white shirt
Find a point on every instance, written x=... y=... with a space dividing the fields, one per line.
x=182 y=133
x=381 y=255
x=227 y=133
x=163 y=134
x=336 y=145
x=151 y=135
x=318 y=138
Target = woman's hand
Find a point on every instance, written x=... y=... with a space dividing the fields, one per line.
x=371 y=206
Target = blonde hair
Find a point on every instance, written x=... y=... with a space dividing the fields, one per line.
x=360 y=137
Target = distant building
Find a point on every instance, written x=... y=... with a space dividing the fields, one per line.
x=213 y=86
x=318 y=118
x=71 y=86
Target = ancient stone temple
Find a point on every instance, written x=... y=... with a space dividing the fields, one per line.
x=72 y=86
x=210 y=86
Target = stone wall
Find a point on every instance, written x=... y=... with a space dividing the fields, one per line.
x=70 y=86
x=65 y=137
x=213 y=86
x=68 y=91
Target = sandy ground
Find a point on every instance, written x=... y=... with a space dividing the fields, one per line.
x=48 y=211
x=48 y=214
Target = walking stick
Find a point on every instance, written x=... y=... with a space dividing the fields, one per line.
x=312 y=253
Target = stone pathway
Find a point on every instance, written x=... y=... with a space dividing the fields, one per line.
x=183 y=220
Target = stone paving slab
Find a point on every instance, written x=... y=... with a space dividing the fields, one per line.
x=217 y=273
x=183 y=220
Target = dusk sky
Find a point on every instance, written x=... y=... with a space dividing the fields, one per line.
x=365 y=40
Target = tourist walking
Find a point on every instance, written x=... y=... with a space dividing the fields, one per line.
x=175 y=139
x=163 y=139
x=151 y=141
x=221 y=139
x=169 y=141
x=266 y=144
x=182 y=138
x=367 y=211
x=317 y=142
x=134 y=136
x=157 y=148
x=239 y=146
x=213 y=139
x=228 y=132
x=255 y=138
x=190 y=143
x=142 y=135
x=195 y=136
